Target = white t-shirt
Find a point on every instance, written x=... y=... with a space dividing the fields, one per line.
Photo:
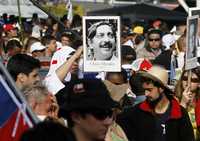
x=52 y=81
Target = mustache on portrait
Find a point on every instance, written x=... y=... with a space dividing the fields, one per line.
x=106 y=45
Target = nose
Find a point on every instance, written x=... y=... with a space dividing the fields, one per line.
x=106 y=38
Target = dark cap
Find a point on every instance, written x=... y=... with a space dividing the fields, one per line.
x=87 y=94
x=128 y=50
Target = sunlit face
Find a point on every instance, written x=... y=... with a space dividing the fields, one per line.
x=52 y=45
x=195 y=82
x=103 y=43
x=93 y=128
x=43 y=106
x=152 y=92
x=154 y=40
x=65 y=41
x=13 y=33
x=32 y=78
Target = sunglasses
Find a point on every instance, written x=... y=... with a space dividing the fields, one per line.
x=195 y=80
x=100 y=114
x=157 y=39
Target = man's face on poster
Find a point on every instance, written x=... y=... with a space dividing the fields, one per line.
x=103 y=43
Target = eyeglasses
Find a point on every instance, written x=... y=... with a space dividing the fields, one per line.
x=194 y=80
x=100 y=114
x=157 y=39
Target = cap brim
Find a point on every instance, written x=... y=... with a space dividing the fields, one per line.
x=147 y=75
x=66 y=109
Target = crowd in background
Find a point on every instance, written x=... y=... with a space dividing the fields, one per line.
x=151 y=98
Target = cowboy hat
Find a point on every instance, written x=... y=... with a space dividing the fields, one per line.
x=157 y=74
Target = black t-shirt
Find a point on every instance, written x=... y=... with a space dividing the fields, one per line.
x=161 y=124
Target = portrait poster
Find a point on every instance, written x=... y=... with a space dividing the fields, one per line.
x=192 y=12
x=191 y=42
x=101 y=44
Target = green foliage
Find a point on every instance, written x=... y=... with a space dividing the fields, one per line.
x=60 y=9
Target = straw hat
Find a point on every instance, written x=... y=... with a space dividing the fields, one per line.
x=158 y=74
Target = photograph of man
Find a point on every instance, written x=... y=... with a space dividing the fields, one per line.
x=101 y=40
x=191 y=41
x=191 y=47
x=101 y=43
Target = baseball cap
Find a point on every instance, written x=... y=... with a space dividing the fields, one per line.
x=8 y=27
x=37 y=46
x=138 y=30
x=87 y=94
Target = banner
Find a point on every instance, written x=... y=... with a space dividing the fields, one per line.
x=15 y=117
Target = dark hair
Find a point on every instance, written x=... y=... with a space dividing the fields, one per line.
x=14 y=43
x=67 y=34
x=179 y=87
x=154 y=31
x=48 y=131
x=128 y=54
x=70 y=122
x=122 y=74
x=22 y=63
x=47 y=39
x=92 y=29
x=135 y=82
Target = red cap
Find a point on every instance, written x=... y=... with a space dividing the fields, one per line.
x=8 y=27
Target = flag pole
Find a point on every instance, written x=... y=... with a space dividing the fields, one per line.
x=17 y=93
x=20 y=21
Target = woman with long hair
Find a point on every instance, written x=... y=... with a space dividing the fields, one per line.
x=189 y=96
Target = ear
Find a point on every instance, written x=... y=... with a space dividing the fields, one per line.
x=161 y=90
x=32 y=103
x=21 y=77
x=76 y=117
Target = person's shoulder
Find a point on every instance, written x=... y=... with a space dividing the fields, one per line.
x=64 y=51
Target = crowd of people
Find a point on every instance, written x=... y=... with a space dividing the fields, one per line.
x=153 y=97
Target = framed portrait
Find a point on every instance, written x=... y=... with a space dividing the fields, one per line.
x=101 y=43
x=191 y=42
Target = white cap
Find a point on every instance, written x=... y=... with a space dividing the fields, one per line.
x=37 y=46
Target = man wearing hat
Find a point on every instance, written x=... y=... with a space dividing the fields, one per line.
x=159 y=117
x=88 y=109
x=101 y=41
x=10 y=30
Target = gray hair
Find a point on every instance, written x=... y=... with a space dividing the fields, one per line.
x=37 y=92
